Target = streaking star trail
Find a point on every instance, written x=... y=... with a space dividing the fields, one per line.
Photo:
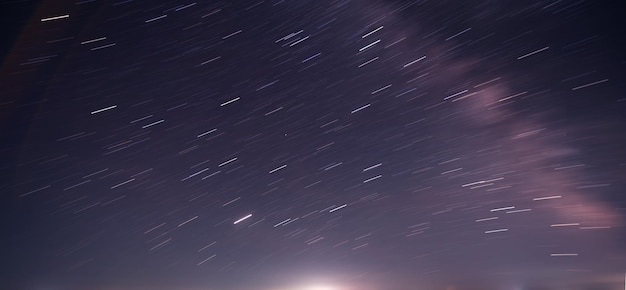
x=242 y=219
x=313 y=145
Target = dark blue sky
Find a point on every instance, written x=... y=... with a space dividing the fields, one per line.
x=313 y=145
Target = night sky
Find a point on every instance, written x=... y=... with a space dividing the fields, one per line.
x=313 y=145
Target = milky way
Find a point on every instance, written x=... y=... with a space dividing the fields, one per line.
x=309 y=145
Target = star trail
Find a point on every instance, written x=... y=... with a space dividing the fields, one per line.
x=313 y=145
